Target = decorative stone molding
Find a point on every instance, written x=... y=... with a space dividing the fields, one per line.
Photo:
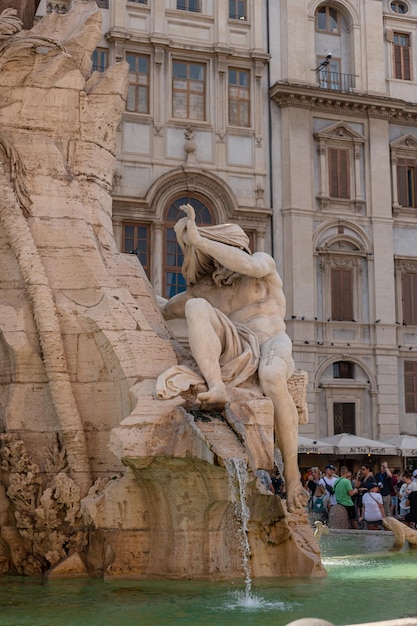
x=308 y=96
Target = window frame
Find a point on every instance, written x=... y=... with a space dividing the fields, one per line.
x=326 y=30
x=340 y=136
x=138 y=85
x=341 y=252
x=403 y=151
x=343 y=370
x=239 y=99
x=339 y=172
x=402 y=58
x=407 y=182
x=410 y=397
x=409 y=293
x=344 y=427
x=238 y=10
x=398 y=3
x=188 y=91
x=187 y=6
x=136 y=225
x=101 y=51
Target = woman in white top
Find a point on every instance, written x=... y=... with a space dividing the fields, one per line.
x=372 y=507
x=407 y=487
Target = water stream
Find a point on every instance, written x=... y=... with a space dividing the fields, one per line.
x=238 y=478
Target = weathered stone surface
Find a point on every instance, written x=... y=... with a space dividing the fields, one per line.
x=338 y=517
x=70 y=567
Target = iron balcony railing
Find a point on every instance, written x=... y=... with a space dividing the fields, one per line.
x=336 y=81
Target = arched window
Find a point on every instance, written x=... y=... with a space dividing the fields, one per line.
x=174 y=281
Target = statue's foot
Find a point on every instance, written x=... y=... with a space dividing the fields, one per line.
x=297 y=496
x=215 y=397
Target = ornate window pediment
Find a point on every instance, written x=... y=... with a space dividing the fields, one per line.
x=404 y=174
x=340 y=150
x=340 y=132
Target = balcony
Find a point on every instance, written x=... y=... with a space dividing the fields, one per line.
x=335 y=81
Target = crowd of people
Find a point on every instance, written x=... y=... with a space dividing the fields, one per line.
x=367 y=497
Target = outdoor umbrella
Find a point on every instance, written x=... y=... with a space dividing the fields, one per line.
x=406 y=444
x=351 y=444
x=313 y=446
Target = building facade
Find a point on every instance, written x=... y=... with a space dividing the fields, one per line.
x=296 y=119
x=344 y=126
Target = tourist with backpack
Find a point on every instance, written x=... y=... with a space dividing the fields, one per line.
x=320 y=505
x=328 y=480
x=344 y=491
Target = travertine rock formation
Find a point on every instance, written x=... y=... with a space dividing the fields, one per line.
x=97 y=476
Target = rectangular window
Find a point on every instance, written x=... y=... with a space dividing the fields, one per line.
x=343 y=369
x=100 y=59
x=410 y=386
x=342 y=294
x=188 y=90
x=402 y=56
x=189 y=5
x=138 y=90
x=103 y=4
x=239 y=97
x=238 y=10
x=409 y=298
x=136 y=240
x=406 y=182
x=339 y=173
x=344 y=418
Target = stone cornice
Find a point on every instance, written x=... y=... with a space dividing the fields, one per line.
x=311 y=97
x=121 y=35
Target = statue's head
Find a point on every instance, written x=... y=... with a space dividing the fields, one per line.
x=196 y=263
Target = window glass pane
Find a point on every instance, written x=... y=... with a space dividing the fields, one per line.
x=196 y=72
x=180 y=105
x=196 y=107
x=333 y=20
x=179 y=70
x=143 y=64
x=321 y=19
x=232 y=77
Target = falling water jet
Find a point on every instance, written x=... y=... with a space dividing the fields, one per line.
x=238 y=478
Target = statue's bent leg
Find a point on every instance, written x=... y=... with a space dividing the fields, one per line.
x=273 y=374
x=206 y=343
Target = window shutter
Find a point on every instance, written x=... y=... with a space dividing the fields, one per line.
x=410 y=386
x=333 y=186
x=409 y=298
x=344 y=190
x=342 y=294
x=402 y=182
x=339 y=173
x=406 y=63
x=397 y=62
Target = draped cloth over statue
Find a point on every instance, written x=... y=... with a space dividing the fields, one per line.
x=238 y=362
x=197 y=264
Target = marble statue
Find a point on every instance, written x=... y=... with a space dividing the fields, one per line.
x=234 y=306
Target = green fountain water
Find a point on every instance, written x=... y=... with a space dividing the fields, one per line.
x=365 y=582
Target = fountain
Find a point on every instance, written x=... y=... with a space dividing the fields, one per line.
x=116 y=500
x=99 y=477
